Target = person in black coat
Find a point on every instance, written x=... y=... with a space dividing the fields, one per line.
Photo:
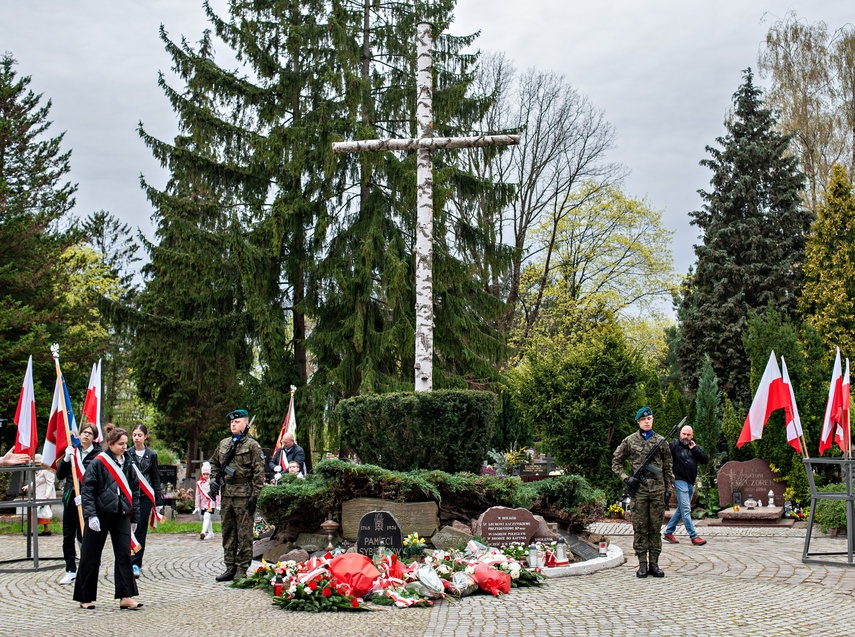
x=293 y=453
x=146 y=460
x=110 y=505
x=71 y=532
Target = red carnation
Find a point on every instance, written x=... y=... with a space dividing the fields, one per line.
x=313 y=585
x=327 y=592
x=354 y=603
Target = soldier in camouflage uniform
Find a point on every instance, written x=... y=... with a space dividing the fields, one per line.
x=648 y=505
x=242 y=480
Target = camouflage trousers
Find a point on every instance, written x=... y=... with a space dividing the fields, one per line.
x=647 y=511
x=237 y=533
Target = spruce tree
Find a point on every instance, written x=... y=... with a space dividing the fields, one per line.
x=828 y=298
x=35 y=200
x=707 y=422
x=753 y=229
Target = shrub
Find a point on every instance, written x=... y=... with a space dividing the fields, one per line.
x=831 y=514
x=444 y=430
x=297 y=505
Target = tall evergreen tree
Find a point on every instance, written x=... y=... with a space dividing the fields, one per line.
x=753 y=229
x=35 y=199
x=707 y=422
x=828 y=298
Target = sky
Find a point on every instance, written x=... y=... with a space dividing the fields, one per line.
x=662 y=71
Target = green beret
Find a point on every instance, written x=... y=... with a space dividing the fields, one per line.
x=644 y=411
x=237 y=413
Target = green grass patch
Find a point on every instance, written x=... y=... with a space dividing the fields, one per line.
x=14 y=526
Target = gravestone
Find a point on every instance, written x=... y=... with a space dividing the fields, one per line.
x=379 y=527
x=168 y=474
x=753 y=477
x=500 y=526
x=535 y=468
x=414 y=517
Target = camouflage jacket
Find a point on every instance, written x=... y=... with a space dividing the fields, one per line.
x=248 y=465
x=635 y=449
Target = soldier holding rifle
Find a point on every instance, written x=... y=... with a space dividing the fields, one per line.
x=650 y=458
x=237 y=475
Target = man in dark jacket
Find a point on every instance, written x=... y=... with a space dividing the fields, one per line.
x=686 y=457
x=293 y=453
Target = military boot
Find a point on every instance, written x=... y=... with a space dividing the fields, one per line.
x=642 y=570
x=654 y=570
x=228 y=576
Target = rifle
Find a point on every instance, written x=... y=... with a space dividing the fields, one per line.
x=225 y=469
x=638 y=476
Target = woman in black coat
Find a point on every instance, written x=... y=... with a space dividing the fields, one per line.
x=110 y=505
x=71 y=532
x=146 y=460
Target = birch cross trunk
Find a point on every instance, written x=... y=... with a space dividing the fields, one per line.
x=423 y=145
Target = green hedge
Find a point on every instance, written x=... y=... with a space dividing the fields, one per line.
x=445 y=430
x=300 y=505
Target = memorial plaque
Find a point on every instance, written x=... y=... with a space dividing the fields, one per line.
x=500 y=526
x=168 y=475
x=414 y=517
x=534 y=469
x=379 y=527
x=753 y=477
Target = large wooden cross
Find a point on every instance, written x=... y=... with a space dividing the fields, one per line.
x=424 y=144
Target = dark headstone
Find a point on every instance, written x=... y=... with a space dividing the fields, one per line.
x=534 y=469
x=379 y=527
x=414 y=517
x=500 y=526
x=753 y=477
x=168 y=475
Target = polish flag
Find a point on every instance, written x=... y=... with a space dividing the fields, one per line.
x=60 y=410
x=794 y=423
x=289 y=425
x=92 y=403
x=770 y=395
x=833 y=409
x=841 y=431
x=27 y=437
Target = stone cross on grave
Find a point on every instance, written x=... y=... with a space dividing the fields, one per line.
x=424 y=144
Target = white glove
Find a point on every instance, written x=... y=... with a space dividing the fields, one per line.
x=133 y=527
x=196 y=510
x=78 y=500
x=160 y=509
x=95 y=524
x=69 y=451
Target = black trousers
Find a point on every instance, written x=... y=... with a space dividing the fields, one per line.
x=70 y=534
x=142 y=530
x=86 y=584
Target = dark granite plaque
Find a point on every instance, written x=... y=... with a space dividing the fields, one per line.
x=168 y=475
x=379 y=527
x=534 y=469
x=501 y=526
x=753 y=477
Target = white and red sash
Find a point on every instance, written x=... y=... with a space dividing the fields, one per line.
x=203 y=488
x=77 y=461
x=122 y=482
x=145 y=486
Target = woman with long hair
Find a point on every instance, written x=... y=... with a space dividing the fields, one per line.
x=151 y=498
x=110 y=505
x=80 y=458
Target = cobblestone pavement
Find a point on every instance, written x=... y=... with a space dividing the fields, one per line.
x=743 y=582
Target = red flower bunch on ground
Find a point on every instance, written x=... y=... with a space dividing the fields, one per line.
x=318 y=594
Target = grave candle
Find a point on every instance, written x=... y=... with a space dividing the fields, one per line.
x=532 y=555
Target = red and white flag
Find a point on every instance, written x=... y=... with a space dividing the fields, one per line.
x=770 y=395
x=841 y=431
x=60 y=411
x=289 y=426
x=833 y=422
x=27 y=438
x=92 y=403
x=794 y=423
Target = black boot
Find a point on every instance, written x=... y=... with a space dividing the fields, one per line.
x=228 y=576
x=642 y=570
x=654 y=570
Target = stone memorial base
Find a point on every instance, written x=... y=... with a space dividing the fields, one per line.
x=763 y=516
x=614 y=557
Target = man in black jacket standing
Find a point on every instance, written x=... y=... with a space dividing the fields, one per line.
x=686 y=456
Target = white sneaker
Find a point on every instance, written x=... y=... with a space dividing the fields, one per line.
x=210 y=536
x=68 y=578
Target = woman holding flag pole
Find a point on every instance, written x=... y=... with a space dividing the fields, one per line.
x=109 y=506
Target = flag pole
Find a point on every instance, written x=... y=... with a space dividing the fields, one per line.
x=54 y=350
